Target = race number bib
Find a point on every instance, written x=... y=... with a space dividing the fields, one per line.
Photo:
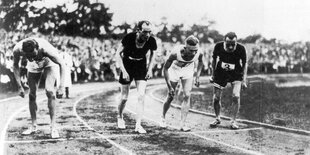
x=228 y=66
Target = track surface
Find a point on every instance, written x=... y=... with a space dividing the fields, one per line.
x=87 y=124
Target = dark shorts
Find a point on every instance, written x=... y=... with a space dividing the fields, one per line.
x=222 y=77
x=136 y=70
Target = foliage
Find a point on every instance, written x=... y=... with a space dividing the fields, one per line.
x=88 y=20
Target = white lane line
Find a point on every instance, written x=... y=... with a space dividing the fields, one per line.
x=67 y=139
x=178 y=106
x=10 y=98
x=98 y=134
x=208 y=139
x=213 y=140
x=228 y=145
x=18 y=97
x=47 y=140
x=3 y=132
x=150 y=119
x=270 y=126
x=255 y=81
x=218 y=131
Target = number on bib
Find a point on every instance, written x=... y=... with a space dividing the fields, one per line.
x=227 y=66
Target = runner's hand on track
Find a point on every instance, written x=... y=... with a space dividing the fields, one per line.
x=171 y=92
x=211 y=79
x=59 y=92
x=197 y=83
x=149 y=75
x=244 y=84
x=126 y=76
x=21 y=92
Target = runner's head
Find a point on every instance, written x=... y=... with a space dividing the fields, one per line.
x=144 y=31
x=230 y=41
x=191 y=46
x=30 y=48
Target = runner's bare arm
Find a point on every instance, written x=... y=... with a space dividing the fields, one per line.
x=245 y=68
x=213 y=66
x=200 y=65
x=119 y=59
x=151 y=64
x=199 y=68
x=16 y=70
x=167 y=65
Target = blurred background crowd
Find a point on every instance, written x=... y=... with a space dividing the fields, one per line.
x=83 y=31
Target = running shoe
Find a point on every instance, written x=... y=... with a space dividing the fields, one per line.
x=234 y=125
x=121 y=123
x=54 y=133
x=30 y=130
x=215 y=123
x=163 y=123
x=185 y=129
x=140 y=129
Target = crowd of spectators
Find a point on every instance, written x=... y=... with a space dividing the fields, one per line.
x=279 y=58
x=94 y=59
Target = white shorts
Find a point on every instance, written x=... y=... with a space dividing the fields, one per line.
x=38 y=66
x=176 y=73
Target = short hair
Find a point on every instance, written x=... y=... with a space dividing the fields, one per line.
x=141 y=24
x=191 y=40
x=230 y=35
x=29 y=45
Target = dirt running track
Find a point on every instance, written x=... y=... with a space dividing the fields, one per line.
x=87 y=124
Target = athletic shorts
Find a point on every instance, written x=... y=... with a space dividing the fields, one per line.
x=176 y=73
x=222 y=77
x=38 y=66
x=135 y=68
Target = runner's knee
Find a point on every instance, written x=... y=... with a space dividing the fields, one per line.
x=32 y=97
x=235 y=99
x=170 y=97
x=187 y=96
x=216 y=99
x=49 y=87
x=141 y=97
x=50 y=94
x=32 y=101
x=123 y=100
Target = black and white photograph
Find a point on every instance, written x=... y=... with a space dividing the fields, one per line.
x=154 y=77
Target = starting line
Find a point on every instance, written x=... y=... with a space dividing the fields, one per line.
x=108 y=138
x=67 y=139
x=205 y=138
x=281 y=128
x=3 y=133
x=98 y=134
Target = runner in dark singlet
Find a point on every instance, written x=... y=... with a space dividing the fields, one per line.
x=132 y=58
x=229 y=66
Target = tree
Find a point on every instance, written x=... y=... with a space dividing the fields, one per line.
x=177 y=33
x=200 y=31
x=86 y=20
x=251 y=38
x=215 y=36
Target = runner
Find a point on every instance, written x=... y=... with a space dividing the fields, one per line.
x=227 y=69
x=132 y=58
x=41 y=56
x=180 y=65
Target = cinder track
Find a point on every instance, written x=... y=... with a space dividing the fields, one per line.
x=87 y=125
